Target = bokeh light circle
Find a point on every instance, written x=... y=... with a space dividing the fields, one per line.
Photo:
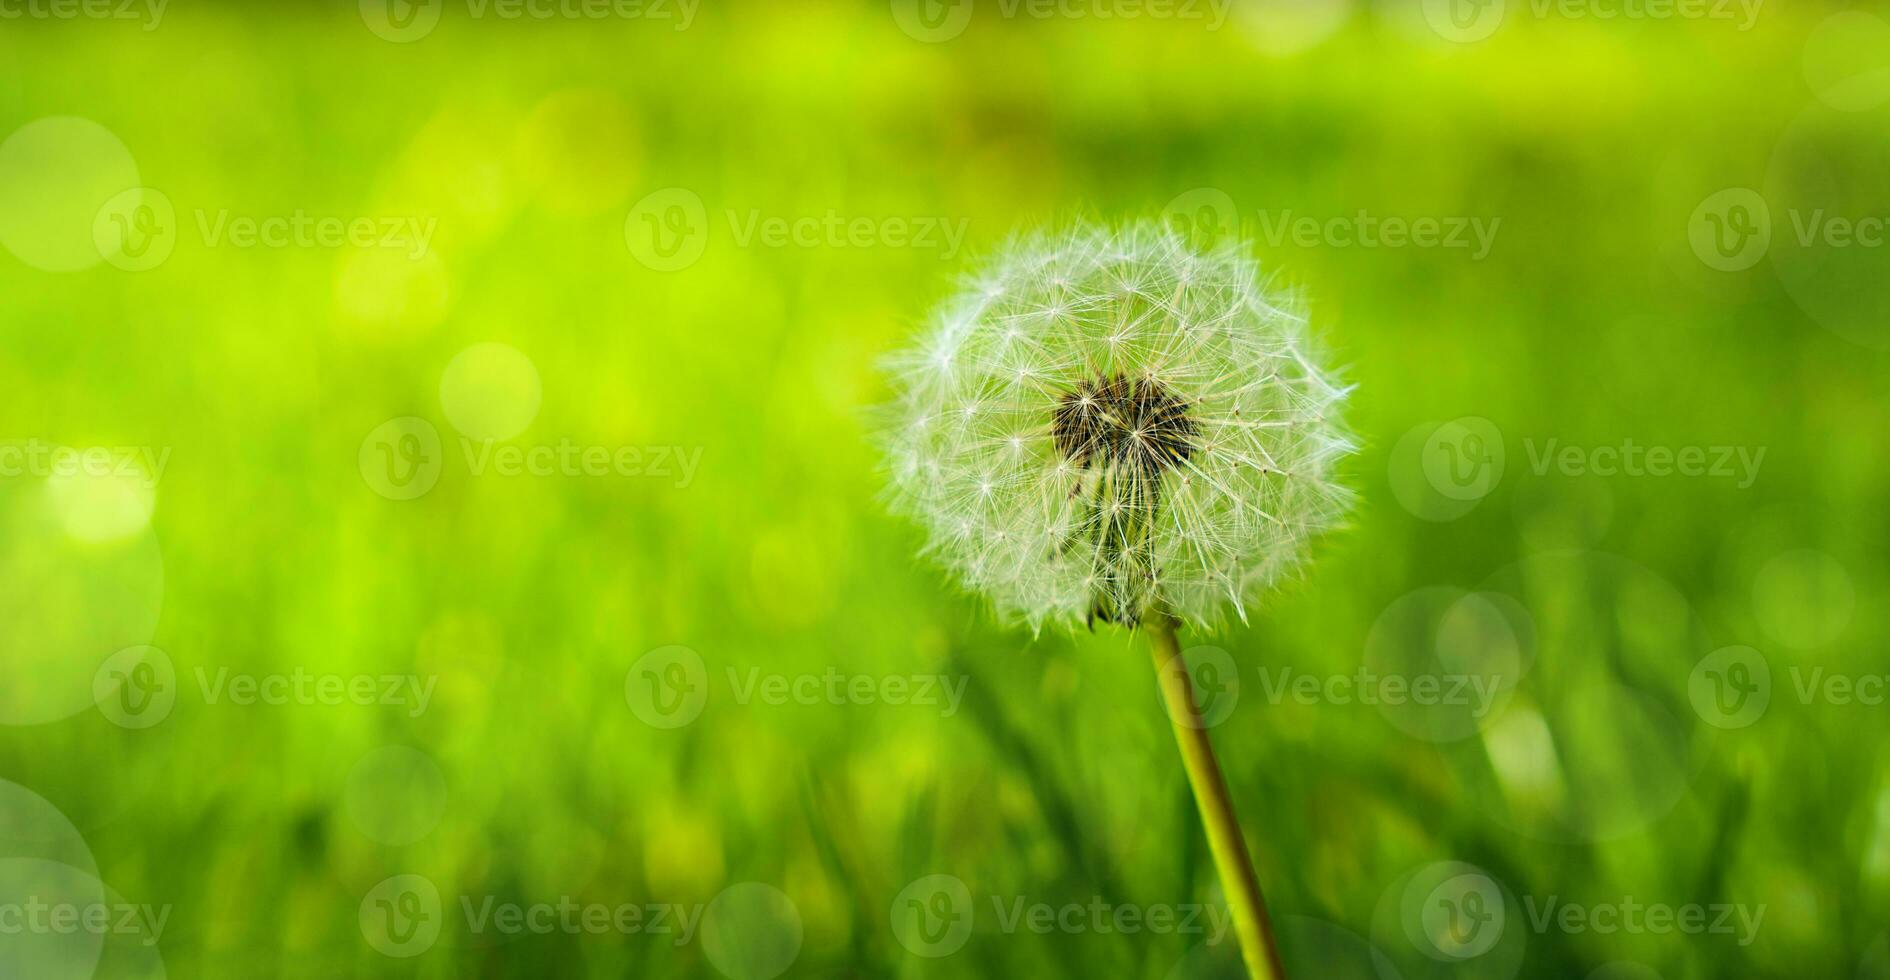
x=1830 y=209
x=751 y=931
x=1444 y=661
x=1589 y=749
x=1451 y=919
x=490 y=391
x=1847 y=61
x=55 y=175
x=1803 y=598
x=396 y=795
x=67 y=603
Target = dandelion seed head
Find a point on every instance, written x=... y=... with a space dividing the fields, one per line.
x=1109 y=424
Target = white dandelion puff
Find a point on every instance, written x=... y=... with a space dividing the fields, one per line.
x=1113 y=424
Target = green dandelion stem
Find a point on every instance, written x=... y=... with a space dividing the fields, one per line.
x=1244 y=900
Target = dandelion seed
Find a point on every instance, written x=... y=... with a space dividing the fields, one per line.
x=1180 y=407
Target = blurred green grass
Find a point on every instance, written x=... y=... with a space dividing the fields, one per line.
x=1591 y=321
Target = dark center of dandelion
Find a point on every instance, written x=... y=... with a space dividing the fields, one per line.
x=1132 y=422
x=1125 y=434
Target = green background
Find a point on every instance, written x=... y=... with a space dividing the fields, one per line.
x=1592 y=320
